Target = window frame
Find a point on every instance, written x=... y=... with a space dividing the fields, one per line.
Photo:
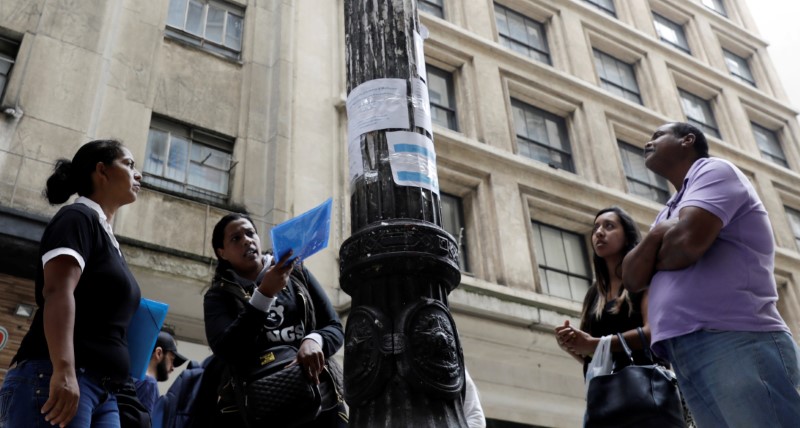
x=610 y=86
x=729 y=57
x=793 y=216
x=186 y=36
x=679 y=29
x=451 y=113
x=541 y=260
x=509 y=42
x=765 y=153
x=432 y=8
x=461 y=239
x=708 y=128
x=9 y=49
x=561 y=125
x=658 y=185
x=599 y=4
x=716 y=5
x=194 y=136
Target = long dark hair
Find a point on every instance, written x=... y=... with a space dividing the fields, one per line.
x=75 y=176
x=603 y=276
x=218 y=237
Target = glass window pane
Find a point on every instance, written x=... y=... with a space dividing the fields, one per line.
x=233 y=32
x=576 y=259
x=541 y=257
x=536 y=127
x=434 y=7
x=437 y=87
x=520 y=127
x=178 y=159
x=768 y=141
x=194 y=19
x=554 y=136
x=5 y=65
x=554 y=248
x=208 y=178
x=535 y=37
x=156 y=157
x=215 y=24
x=558 y=284
x=210 y=157
x=502 y=21
x=517 y=27
x=176 y=13
x=794 y=221
x=578 y=287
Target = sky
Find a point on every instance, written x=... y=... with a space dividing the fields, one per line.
x=777 y=22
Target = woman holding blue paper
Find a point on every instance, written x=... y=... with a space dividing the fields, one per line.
x=257 y=303
x=75 y=355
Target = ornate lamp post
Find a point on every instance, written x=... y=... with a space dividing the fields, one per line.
x=403 y=362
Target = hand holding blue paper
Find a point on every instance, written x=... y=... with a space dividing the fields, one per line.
x=305 y=234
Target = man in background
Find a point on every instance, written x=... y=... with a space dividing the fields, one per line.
x=163 y=361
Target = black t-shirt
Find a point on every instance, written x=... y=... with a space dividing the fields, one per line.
x=620 y=322
x=106 y=296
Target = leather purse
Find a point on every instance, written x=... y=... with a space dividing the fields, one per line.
x=276 y=395
x=635 y=396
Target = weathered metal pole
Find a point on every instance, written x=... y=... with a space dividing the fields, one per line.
x=403 y=364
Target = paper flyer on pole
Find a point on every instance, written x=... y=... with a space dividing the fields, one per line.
x=413 y=160
x=305 y=234
x=377 y=104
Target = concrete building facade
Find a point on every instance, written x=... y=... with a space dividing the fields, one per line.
x=540 y=110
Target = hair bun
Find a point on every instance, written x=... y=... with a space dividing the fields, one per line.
x=60 y=185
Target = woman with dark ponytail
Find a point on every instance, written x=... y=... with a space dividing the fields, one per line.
x=75 y=355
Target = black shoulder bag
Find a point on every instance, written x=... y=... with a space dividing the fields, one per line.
x=273 y=394
x=635 y=396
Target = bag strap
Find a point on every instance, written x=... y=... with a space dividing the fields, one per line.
x=625 y=347
x=645 y=345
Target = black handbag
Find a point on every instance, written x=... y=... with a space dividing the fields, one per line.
x=635 y=396
x=276 y=395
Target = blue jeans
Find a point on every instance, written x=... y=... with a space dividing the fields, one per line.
x=27 y=387
x=738 y=378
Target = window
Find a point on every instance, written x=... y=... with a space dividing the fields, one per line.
x=606 y=6
x=794 y=222
x=698 y=113
x=738 y=67
x=542 y=136
x=187 y=160
x=769 y=145
x=453 y=223
x=563 y=264
x=214 y=25
x=641 y=181
x=521 y=34
x=434 y=7
x=671 y=33
x=8 y=53
x=617 y=77
x=442 y=97
x=716 y=5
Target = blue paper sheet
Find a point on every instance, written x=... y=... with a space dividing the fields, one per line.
x=305 y=234
x=142 y=334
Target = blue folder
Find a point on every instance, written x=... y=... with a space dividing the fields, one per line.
x=142 y=334
x=305 y=234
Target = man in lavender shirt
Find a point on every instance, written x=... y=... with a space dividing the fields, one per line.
x=708 y=261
